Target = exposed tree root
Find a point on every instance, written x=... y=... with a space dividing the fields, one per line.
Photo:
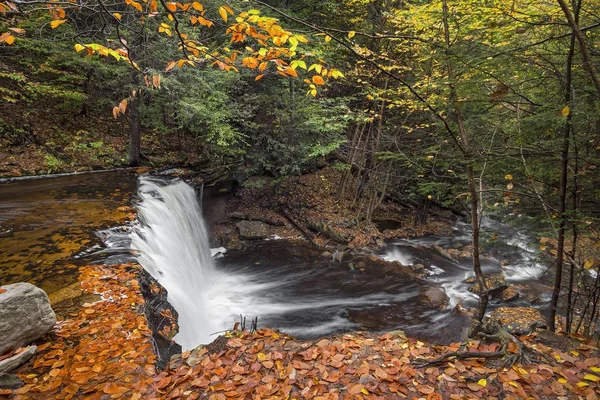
x=523 y=355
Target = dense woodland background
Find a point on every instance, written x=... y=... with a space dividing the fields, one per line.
x=484 y=107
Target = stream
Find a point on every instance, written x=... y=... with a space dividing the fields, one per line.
x=49 y=226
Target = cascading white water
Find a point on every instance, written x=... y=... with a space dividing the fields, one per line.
x=172 y=245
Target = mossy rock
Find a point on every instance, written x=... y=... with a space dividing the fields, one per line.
x=516 y=320
x=495 y=284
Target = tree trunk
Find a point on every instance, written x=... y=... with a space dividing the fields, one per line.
x=573 y=19
x=356 y=140
x=468 y=157
x=135 y=131
x=575 y=233
x=564 y=160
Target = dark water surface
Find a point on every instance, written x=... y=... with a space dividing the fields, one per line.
x=45 y=222
x=293 y=288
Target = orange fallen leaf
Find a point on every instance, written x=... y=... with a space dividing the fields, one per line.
x=355 y=389
x=164 y=382
x=72 y=388
x=111 y=388
x=425 y=389
x=474 y=386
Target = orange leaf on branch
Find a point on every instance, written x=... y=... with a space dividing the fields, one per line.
x=318 y=80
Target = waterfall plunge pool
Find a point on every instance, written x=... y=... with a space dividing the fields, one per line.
x=292 y=287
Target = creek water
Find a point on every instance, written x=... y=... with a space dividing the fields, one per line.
x=45 y=223
x=298 y=290
x=288 y=285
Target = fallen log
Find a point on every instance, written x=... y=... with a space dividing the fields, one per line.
x=307 y=234
x=248 y=217
x=327 y=232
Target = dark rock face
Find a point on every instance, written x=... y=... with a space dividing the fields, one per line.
x=252 y=230
x=14 y=362
x=25 y=315
x=8 y=381
x=161 y=318
x=495 y=284
x=433 y=297
x=508 y=295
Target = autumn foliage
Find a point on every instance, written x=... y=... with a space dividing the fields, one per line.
x=267 y=47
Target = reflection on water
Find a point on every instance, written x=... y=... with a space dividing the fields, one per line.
x=45 y=222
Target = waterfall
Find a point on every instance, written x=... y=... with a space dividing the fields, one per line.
x=172 y=245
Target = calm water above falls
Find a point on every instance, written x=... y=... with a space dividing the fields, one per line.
x=45 y=223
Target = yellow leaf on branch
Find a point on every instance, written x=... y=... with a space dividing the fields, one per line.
x=223 y=13
x=57 y=22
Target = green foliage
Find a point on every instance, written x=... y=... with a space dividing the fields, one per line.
x=198 y=103
x=53 y=164
x=291 y=132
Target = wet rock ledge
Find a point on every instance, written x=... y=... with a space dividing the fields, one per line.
x=161 y=318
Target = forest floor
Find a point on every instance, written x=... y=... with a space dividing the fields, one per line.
x=104 y=350
x=41 y=151
x=310 y=206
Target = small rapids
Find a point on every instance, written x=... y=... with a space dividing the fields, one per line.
x=510 y=253
x=293 y=287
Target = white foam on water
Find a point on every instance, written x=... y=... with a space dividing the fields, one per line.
x=433 y=270
x=217 y=252
x=396 y=254
x=522 y=272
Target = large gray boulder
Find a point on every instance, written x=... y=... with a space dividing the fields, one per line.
x=433 y=297
x=252 y=230
x=25 y=315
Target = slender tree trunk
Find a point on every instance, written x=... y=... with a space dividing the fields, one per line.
x=587 y=328
x=575 y=233
x=356 y=140
x=573 y=19
x=135 y=131
x=468 y=157
x=562 y=206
